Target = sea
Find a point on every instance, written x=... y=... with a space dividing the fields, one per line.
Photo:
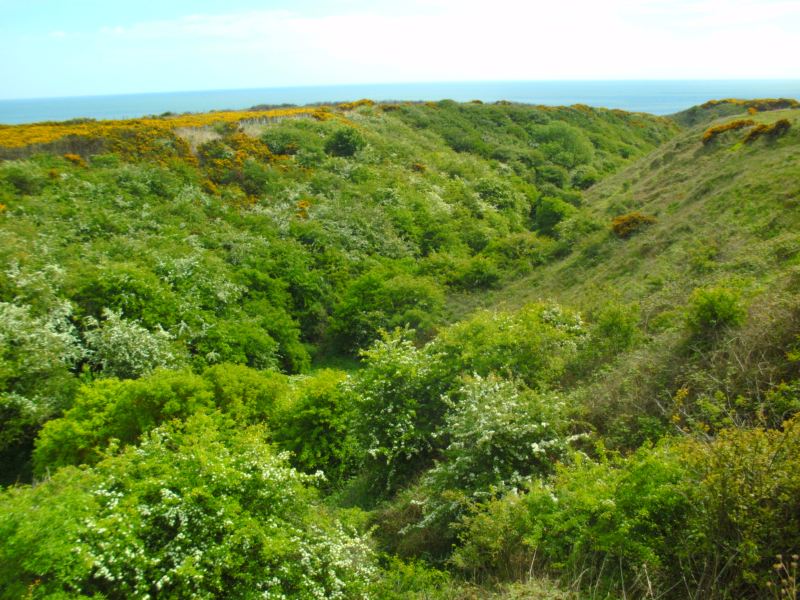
x=655 y=97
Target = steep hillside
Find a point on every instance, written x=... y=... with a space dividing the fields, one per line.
x=726 y=209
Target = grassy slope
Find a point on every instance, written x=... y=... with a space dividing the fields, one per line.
x=724 y=211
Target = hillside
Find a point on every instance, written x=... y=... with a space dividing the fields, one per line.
x=429 y=350
x=722 y=210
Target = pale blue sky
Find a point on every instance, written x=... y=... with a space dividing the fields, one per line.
x=86 y=47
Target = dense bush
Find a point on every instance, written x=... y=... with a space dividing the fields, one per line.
x=745 y=513
x=549 y=212
x=585 y=176
x=703 y=519
x=315 y=425
x=110 y=409
x=533 y=344
x=713 y=309
x=344 y=142
x=37 y=354
x=200 y=509
x=498 y=436
x=121 y=348
x=476 y=273
x=398 y=397
x=565 y=144
x=384 y=300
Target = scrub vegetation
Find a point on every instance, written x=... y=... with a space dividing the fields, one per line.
x=436 y=351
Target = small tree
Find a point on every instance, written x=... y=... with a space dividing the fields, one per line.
x=344 y=142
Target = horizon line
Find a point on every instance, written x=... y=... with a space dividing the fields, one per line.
x=400 y=83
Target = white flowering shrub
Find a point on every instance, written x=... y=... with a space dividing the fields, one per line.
x=499 y=436
x=37 y=354
x=399 y=404
x=201 y=509
x=125 y=349
x=35 y=348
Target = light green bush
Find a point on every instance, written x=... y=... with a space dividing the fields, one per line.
x=399 y=409
x=533 y=344
x=315 y=425
x=202 y=509
x=713 y=309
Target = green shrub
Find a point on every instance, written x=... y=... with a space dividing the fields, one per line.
x=281 y=142
x=122 y=410
x=549 y=212
x=584 y=177
x=632 y=513
x=247 y=395
x=121 y=348
x=613 y=329
x=533 y=344
x=713 y=309
x=575 y=228
x=201 y=509
x=126 y=288
x=344 y=142
x=564 y=144
x=37 y=355
x=36 y=352
x=412 y=580
x=553 y=175
x=498 y=436
x=709 y=514
x=493 y=539
x=243 y=341
x=23 y=178
x=520 y=252
x=107 y=409
x=476 y=273
x=383 y=300
x=399 y=409
x=745 y=506
x=316 y=427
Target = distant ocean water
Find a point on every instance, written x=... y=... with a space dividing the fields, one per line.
x=656 y=97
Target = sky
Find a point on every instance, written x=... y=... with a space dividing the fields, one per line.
x=56 y=48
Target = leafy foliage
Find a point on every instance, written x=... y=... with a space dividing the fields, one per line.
x=125 y=349
x=712 y=309
x=162 y=272
x=198 y=509
x=344 y=142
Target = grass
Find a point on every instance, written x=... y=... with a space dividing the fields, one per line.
x=724 y=212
